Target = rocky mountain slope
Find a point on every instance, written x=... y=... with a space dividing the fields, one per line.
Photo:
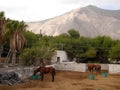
x=90 y=21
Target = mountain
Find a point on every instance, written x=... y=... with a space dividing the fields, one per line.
x=90 y=21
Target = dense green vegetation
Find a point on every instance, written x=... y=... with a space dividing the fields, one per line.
x=37 y=47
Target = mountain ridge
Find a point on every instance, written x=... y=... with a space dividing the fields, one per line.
x=89 y=21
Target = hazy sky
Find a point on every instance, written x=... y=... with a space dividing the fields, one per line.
x=37 y=10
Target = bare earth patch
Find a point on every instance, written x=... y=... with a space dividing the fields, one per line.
x=66 y=80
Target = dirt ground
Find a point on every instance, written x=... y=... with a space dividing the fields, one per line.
x=66 y=80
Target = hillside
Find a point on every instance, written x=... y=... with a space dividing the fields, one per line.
x=90 y=21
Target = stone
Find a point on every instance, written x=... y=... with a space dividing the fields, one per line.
x=9 y=78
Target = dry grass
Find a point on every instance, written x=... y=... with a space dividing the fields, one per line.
x=65 y=80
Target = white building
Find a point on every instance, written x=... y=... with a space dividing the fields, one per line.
x=60 y=56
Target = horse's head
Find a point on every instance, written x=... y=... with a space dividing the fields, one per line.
x=37 y=70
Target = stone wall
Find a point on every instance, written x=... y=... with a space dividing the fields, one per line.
x=23 y=72
x=81 y=67
x=114 y=68
x=104 y=66
x=71 y=66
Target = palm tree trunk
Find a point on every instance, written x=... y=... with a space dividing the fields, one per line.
x=14 y=57
x=1 y=49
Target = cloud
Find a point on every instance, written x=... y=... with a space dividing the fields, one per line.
x=109 y=4
x=70 y=1
x=34 y=10
x=12 y=9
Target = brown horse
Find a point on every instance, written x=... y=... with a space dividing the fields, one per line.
x=92 y=67
x=98 y=68
x=45 y=70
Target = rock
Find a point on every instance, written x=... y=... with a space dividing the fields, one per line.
x=9 y=78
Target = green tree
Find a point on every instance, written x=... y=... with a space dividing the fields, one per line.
x=17 y=40
x=34 y=54
x=73 y=33
x=114 y=53
x=91 y=53
x=31 y=38
x=2 y=38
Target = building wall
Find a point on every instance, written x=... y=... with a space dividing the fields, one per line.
x=104 y=66
x=25 y=72
x=82 y=67
x=71 y=66
x=62 y=56
x=114 y=68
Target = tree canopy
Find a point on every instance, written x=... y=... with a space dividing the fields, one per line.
x=32 y=47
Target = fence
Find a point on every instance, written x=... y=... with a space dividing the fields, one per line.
x=81 y=67
x=114 y=68
x=25 y=72
x=71 y=66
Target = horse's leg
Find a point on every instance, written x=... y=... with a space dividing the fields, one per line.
x=42 y=76
x=95 y=69
x=99 y=70
x=91 y=70
x=53 y=74
x=52 y=77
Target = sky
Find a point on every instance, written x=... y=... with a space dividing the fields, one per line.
x=38 y=10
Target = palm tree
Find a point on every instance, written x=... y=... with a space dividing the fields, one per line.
x=2 y=38
x=17 y=40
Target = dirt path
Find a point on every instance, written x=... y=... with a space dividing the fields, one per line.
x=65 y=80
